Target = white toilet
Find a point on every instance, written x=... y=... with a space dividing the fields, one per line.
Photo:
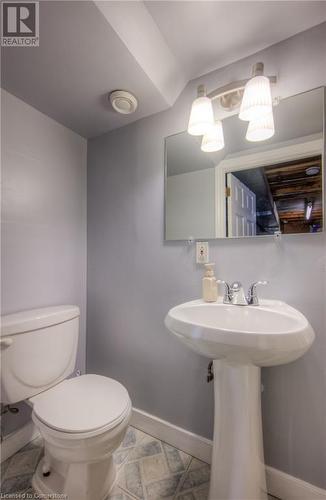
x=83 y=420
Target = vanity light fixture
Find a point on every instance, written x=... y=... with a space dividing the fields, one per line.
x=257 y=96
x=253 y=97
x=261 y=129
x=213 y=140
x=308 y=210
x=201 y=115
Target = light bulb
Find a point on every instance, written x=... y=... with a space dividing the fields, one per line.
x=201 y=115
x=257 y=99
x=261 y=129
x=213 y=140
x=308 y=210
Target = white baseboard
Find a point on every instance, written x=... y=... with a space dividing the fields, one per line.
x=190 y=443
x=17 y=440
x=279 y=484
x=282 y=485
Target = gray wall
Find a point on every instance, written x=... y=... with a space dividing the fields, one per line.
x=190 y=205
x=43 y=251
x=134 y=278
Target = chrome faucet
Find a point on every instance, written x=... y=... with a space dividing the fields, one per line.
x=252 y=296
x=234 y=294
x=227 y=291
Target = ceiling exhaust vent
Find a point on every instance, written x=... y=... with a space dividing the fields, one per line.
x=123 y=102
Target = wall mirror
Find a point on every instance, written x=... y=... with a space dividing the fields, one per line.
x=249 y=188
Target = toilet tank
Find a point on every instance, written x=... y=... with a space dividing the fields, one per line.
x=38 y=350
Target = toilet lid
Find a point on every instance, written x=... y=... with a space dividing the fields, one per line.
x=82 y=404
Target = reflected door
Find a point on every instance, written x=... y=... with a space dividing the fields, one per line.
x=241 y=203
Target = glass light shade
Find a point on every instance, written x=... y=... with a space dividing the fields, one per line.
x=201 y=116
x=257 y=99
x=214 y=139
x=261 y=129
x=308 y=210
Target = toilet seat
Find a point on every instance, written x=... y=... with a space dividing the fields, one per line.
x=83 y=406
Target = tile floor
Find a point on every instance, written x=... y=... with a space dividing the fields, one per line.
x=148 y=469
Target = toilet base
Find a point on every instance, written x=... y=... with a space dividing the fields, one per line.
x=78 y=466
x=80 y=481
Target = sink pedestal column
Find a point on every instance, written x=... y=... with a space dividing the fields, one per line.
x=238 y=469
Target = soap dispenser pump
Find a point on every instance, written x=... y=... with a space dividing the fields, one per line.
x=209 y=284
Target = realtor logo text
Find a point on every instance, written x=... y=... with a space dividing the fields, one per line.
x=20 y=24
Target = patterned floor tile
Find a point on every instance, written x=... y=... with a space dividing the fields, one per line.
x=148 y=469
x=132 y=439
x=177 y=460
x=133 y=436
x=164 y=488
x=120 y=456
x=153 y=470
x=118 y=494
x=17 y=471
x=130 y=479
x=200 y=493
x=198 y=475
x=16 y=484
x=147 y=447
x=23 y=463
x=186 y=496
x=4 y=467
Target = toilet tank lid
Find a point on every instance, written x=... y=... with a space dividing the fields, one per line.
x=34 y=319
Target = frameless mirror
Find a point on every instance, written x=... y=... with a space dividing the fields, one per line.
x=249 y=189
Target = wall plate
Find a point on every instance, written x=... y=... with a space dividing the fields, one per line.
x=202 y=254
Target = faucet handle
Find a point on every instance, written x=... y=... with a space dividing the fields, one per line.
x=252 y=293
x=227 y=291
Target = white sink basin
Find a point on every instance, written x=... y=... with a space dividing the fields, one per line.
x=269 y=334
x=240 y=339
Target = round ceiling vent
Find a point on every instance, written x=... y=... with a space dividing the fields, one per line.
x=123 y=102
x=312 y=170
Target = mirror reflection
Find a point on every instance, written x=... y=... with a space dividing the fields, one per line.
x=249 y=189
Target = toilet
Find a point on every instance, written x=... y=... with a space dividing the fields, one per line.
x=82 y=420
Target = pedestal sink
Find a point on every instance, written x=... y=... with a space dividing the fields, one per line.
x=240 y=340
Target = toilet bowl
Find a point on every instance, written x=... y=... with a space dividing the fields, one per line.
x=82 y=420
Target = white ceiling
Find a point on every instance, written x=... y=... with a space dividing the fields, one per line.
x=79 y=60
x=153 y=49
x=205 y=36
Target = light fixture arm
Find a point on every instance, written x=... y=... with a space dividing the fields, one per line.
x=230 y=95
x=234 y=87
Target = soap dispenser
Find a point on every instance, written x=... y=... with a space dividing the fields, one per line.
x=209 y=284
